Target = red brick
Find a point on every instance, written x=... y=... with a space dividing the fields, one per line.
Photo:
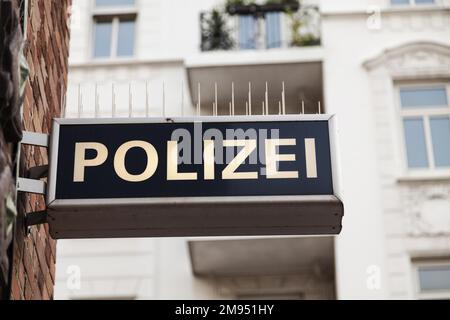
x=47 y=56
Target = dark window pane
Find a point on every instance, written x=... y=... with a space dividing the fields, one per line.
x=423 y=97
x=102 y=37
x=440 y=132
x=415 y=143
x=125 y=41
x=434 y=278
x=111 y=3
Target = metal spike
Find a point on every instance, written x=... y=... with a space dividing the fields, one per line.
x=164 y=100
x=215 y=100
x=250 y=98
x=198 y=100
x=62 y=101
x=147 y=104
x=320 y=107
x=81 y=106
x=303 y=107
x=283 y=100
x=182 y=98
x=96 y=101
x=80 y=102
x=279 y=107
x=130 y=101
x=64 y=105
x=263 y=109
x=113 y=101
x=232 y=97
x=230 y=109
x=246 y=108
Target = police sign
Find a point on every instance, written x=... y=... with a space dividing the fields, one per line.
x=193 y=177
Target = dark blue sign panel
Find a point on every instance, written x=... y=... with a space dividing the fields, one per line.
x=193 y=159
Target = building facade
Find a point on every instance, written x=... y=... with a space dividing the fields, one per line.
x=382 y=66
x=35 y=40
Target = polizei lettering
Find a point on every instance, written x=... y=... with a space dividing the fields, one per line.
x=231 y=171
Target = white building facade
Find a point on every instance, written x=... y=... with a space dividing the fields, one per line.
x=382 y=66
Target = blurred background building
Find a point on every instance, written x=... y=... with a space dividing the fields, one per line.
x=382 y=66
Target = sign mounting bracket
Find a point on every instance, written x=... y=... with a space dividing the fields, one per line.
x=32 y=184
x=35 y=139
x=36 y=218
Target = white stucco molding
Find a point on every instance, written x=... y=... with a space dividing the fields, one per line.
x=414 y=60
x=388 y=10
x=426 y=205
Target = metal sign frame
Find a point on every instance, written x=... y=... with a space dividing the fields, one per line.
x=186 y=216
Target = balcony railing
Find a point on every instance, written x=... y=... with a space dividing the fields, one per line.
x=260 y=30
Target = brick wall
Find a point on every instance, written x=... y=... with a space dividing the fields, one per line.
x=46 y=50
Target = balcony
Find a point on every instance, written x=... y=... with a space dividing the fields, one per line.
x=246 y=267
x=255 y=27
x=262 y=47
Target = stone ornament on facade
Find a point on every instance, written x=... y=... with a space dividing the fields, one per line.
x=427 y=207
x=413 y=60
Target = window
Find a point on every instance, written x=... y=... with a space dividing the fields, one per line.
x=247 y=32
x=412 y=2
x=273 y=30
x=432 y=279
x=425 y=115
x=114 y=28
x=251 y=35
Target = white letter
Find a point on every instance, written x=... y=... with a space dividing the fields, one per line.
x=74 y=279
x=80 y=158
x=311 y=162
x=373 y=277
x=152 y=161
x=374 y=19
x=272 y=159
x=208 y=160
x=230 y=170
x=172 y=164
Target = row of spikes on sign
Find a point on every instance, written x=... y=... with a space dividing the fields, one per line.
x=248 y=104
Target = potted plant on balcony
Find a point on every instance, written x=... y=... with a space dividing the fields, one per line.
x=280 y=6
x=243 y=7
x=302 y=29
x=214 y=32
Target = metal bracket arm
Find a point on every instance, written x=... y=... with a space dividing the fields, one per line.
x=35 y=139
x=35 y=218
x=31 y=186
x=38 y=172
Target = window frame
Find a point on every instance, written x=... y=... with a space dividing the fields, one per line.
x=424 y=113
x=413 y=3
x=260 y=38
x=114 y=14
x=430 y=294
